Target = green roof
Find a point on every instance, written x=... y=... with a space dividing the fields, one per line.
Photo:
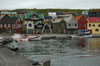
x=19 y=16
x=40 y=16
x=27 y=16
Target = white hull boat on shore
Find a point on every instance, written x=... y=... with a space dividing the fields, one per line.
x=20 y=37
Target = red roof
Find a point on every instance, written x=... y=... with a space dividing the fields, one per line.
x=93 y=19
x=77 y=17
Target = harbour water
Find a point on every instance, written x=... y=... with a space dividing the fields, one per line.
x=69 y=52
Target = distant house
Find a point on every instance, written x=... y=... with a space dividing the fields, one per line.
x=82 y=24
x=73 y=13
x=59 y=13
x=10 y=25
x=52 y=14
x=55 y=14
x=93 y=25
x=85 y=14
x=59 y=27
x=8 y=13
x=71 y=25
x=22 y=11
x=94 y=13
x=66 y=25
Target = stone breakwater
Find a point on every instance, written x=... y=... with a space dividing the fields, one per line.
x=53 y=36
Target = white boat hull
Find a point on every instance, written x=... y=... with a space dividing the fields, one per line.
x=35 y=38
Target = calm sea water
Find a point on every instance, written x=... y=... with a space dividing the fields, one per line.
x=70 y=52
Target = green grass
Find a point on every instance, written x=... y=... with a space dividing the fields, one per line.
x=45 y=11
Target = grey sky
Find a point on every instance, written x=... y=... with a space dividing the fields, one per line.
x=72 y=4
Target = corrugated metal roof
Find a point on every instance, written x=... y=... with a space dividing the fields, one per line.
x=93 y=19
x=8 y=20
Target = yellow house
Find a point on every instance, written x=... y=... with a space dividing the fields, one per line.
x=93 y=25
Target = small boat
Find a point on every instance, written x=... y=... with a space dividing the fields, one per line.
x=14 y=45
x=19 y=37
x=82 y=36
x=10 y=44
x=86 y=36
x=31 y=38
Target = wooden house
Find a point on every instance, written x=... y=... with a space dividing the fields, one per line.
x=66 y=24
x=94 y=13
x=82 y=24
x=36 y=18
x=8 y=13
x=10 y=25
x=93 y=25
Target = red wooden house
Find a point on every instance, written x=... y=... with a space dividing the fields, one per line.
x=82 y=24
x=10 y=24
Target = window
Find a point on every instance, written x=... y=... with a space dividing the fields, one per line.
x=97 y=20
x=5 y=26
x=98 y=25
x=96 y=29
x=75 y=24
x=1 y=26
x=19 y=25
x=69 y=24
x=13 y=25
x=93 y=25
x=8 y=25
x=89 y=25
x=79 y=25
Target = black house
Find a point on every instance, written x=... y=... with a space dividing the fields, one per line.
x=94 y=13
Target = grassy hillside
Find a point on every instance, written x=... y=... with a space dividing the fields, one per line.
x=45 y=11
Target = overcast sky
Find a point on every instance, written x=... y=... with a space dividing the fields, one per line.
x=70 y=4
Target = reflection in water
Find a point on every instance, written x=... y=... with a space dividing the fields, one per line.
x=93 y=43
x=63 y=52
x=82 y=43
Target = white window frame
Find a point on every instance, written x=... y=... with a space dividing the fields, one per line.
x=5 y=25
x=8 y=25
x=13 y=26
x=1 y=25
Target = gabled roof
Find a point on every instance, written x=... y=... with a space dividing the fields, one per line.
x=77 y=17
x=19 y=16
x=40 y=15
x=8 y=20
x=67 y=18
x=93 y=19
